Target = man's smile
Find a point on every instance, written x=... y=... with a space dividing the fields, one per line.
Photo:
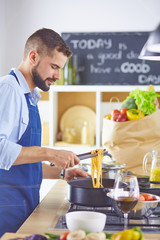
x=50 y=80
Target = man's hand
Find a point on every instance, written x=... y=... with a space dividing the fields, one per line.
x=63 y=159
x=70 y=173
x=60 y=158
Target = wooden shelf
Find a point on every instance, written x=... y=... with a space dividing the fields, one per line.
x=96 y=97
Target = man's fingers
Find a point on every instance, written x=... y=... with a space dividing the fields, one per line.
x=64 y=159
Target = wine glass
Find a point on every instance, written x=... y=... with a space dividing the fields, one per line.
x=126 y=194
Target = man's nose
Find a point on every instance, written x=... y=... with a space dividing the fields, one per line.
x=57 y=74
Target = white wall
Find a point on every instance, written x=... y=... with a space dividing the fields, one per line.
x=20 y=18
x=2 y=36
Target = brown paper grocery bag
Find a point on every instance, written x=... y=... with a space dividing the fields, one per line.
x=129 y=141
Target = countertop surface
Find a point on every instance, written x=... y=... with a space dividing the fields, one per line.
x=48 y=212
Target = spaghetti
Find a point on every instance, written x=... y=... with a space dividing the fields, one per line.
x=96 y=168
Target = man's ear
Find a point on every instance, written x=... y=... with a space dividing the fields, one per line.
x=33 y=57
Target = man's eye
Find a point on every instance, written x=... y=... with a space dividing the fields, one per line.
x=53 y=67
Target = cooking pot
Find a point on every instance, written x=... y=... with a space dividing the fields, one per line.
x=81 y=192
x=109 y=170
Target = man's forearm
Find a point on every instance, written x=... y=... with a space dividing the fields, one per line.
x=60 y=158
x=31 y=155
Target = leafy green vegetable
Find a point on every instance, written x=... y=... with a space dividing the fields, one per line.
x=52 y=236
x=129 y=103
x=144 y=100
x=108 y=235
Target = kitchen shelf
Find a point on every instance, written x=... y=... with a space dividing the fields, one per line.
x=96 y=97
x=99 y=88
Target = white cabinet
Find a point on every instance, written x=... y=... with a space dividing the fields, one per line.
x=61 y=97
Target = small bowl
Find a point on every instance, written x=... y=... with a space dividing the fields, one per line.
x=142 y=208
x=86 y=220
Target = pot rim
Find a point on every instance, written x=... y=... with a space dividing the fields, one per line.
x=73 y=183
x=107 y=166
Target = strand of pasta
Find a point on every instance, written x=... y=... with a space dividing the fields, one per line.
x=96 y=168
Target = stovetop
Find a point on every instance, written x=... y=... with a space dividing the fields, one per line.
x=114 y=222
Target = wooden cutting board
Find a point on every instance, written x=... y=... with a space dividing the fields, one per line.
x=75 y=116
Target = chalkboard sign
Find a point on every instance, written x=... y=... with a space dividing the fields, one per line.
x=111 y=58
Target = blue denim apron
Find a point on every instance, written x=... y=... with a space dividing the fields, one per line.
x=19 y=186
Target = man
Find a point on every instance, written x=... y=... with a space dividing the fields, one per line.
x=21 y=156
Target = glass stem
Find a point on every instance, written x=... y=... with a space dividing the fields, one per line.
x=125 y=220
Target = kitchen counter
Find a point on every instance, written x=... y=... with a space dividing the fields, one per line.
x=48 y=212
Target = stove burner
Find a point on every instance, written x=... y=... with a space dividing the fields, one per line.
x=116 y=223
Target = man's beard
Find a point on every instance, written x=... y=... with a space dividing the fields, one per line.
x=39 y=82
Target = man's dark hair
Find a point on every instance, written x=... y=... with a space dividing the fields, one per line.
x=44 y=41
